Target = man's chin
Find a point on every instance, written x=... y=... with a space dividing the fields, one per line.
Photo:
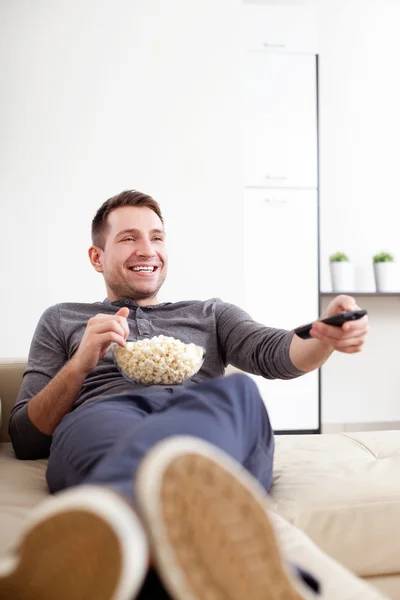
x=146 y=291
x=143 y=293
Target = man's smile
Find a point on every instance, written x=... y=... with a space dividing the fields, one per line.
x=143 y=270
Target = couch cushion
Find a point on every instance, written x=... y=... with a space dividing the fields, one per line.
x=11 y=371
x=337 y=583
x=343 y=491
x=389 y=585
x=22 y=486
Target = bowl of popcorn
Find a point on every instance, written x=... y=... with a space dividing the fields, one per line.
x=159 y=360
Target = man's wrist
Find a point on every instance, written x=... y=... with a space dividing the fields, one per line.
x=76 y=369
x=324 y=347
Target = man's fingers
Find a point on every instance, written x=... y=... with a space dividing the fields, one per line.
x=350 y=343
x=108 y=326
x=352 y=337
x=102 y=317
x=122 y=315
x=342 y=344
x=348 y=307
x=350 y=329
x=106 y=339
x=119 y=317
x=337 y=336
x=353 y=349
x=356 y=325
x=345 y=303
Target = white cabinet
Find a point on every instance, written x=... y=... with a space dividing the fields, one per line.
x=281 y=285
x=293 y=404
x=281 y=258
x=279 y=28
x=280 y=120
x=280 y=157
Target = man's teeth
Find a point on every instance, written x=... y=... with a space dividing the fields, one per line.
x=146 y=269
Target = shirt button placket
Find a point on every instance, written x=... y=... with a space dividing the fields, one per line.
x=142 y=323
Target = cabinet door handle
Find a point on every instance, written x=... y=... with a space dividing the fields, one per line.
x=275 y=200
x=279 y=178
x=267 y=45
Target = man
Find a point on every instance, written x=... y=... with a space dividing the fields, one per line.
x=193 y=460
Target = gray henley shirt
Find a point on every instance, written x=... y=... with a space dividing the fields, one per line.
x=228 y=333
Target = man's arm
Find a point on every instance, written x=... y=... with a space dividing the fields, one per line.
x=251 y=346
x=48 y=407
x=51 y=387
x=278 y=353
x=47 y=355
x=308 y=355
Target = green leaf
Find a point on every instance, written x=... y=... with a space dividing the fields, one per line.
x=383 y=257
x=339 y=257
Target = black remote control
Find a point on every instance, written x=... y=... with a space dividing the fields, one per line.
x=337 y=321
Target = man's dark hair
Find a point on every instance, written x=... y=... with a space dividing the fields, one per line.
x=126 y=198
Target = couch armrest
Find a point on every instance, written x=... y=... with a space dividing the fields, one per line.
x=11 y=371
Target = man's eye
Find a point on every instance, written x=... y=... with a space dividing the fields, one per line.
x=158 y=239
x=128 y=239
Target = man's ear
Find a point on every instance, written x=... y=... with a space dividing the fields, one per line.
x=95 y=256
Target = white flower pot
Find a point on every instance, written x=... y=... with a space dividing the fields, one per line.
x=342 y=276
x=386 y=277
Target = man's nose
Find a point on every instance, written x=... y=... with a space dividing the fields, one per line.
x=145 y=249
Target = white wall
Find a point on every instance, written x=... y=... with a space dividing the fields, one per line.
x=360 y=132
x=98 y=97
x=360 y=190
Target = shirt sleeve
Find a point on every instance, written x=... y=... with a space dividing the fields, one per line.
x=47 y=355
x=253 y=347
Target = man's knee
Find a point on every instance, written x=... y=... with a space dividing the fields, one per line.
x=244 y=383
x=242 y=389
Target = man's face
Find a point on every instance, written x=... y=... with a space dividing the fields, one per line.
x=134 y=260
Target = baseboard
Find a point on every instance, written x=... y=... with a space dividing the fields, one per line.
x=347 y=427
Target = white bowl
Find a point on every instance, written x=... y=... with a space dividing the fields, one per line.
x=159 y=360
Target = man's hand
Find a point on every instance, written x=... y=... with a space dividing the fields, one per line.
x=100 y=332
x=349 y=338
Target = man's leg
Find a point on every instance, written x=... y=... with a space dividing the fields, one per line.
x=86 y=542
x=210 y=528
x=82 y=543
x=227 y=412
x=86 y=435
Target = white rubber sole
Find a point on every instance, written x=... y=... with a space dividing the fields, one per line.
x=207 y=519
x=83 y=543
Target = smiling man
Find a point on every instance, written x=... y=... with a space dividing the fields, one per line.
x=128 y=273
x=195 y=460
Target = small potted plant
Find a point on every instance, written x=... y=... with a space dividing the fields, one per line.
x=342 y=272
x=385 y=272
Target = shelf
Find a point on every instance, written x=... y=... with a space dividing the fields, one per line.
x=355 y=293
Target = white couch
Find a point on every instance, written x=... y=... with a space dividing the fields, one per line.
x=339 y=496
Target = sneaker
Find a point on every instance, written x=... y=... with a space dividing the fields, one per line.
x=210 y=534
x=83 y=543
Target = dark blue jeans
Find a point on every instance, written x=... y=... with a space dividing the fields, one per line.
x=103 y=442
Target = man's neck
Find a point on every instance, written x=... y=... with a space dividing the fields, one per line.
x=151 y=301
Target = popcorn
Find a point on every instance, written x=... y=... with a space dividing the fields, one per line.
x=160 y=360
